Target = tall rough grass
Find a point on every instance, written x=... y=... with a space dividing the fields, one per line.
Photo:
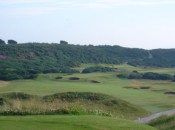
x=77 y=103
x=37 y=106
x=164 y=123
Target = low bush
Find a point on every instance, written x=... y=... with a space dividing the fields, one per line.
x=147 y=75
x=1 y=101
x=97 y=69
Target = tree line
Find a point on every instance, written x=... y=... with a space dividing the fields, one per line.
x=147 y=75
x=9 y=42
x=44 y=57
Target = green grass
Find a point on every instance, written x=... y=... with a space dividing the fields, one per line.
x=153 y=99
x=164 y=123
x=68 y=123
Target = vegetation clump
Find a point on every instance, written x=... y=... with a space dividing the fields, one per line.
x=97 y=69
x=12 y=42
x=1 y=101
x=147 y=75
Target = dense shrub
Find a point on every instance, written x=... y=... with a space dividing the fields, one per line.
x=97 y=69
x=1 y=101
x=147 y=75
x=157 y=76
x=135 y=76
x=124 y=75
x=17 y=74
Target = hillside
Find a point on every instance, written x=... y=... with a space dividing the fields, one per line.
x=31 y=55
x=24 y=60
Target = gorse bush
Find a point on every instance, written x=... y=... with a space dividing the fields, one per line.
x=147 y=75
x=97 y=69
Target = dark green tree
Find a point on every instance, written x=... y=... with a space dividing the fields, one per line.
x=2 y=42
x=63 y=42
x=12 y=42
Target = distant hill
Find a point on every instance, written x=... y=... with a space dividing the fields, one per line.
x=42 y=56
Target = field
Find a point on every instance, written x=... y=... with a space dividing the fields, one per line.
x=68 y=123
x=152 y=99
x=146 y=94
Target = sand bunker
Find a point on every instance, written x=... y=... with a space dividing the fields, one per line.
x=59 y=77
x=145 y=87
x=74 y=78
x=142 y=87
x=94 y=81
x=172 y=93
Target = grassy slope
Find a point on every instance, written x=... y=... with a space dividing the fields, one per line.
x=68 y=123
x=164 y=123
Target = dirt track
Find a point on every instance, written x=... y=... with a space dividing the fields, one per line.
x=154 y=116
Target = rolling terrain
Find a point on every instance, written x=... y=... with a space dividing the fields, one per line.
x=152 y=99
x=60 y=88
x=63 y=86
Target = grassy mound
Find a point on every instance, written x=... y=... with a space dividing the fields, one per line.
x=76 y=103
x=164 y=123
x=99 y=102
x=69 y=123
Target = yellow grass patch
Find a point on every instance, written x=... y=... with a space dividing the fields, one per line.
x=3 y=83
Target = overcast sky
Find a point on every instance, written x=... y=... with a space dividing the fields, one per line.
x=130 y=23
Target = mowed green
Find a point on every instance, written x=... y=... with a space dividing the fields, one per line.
x=69 y=123
x=153 y=99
